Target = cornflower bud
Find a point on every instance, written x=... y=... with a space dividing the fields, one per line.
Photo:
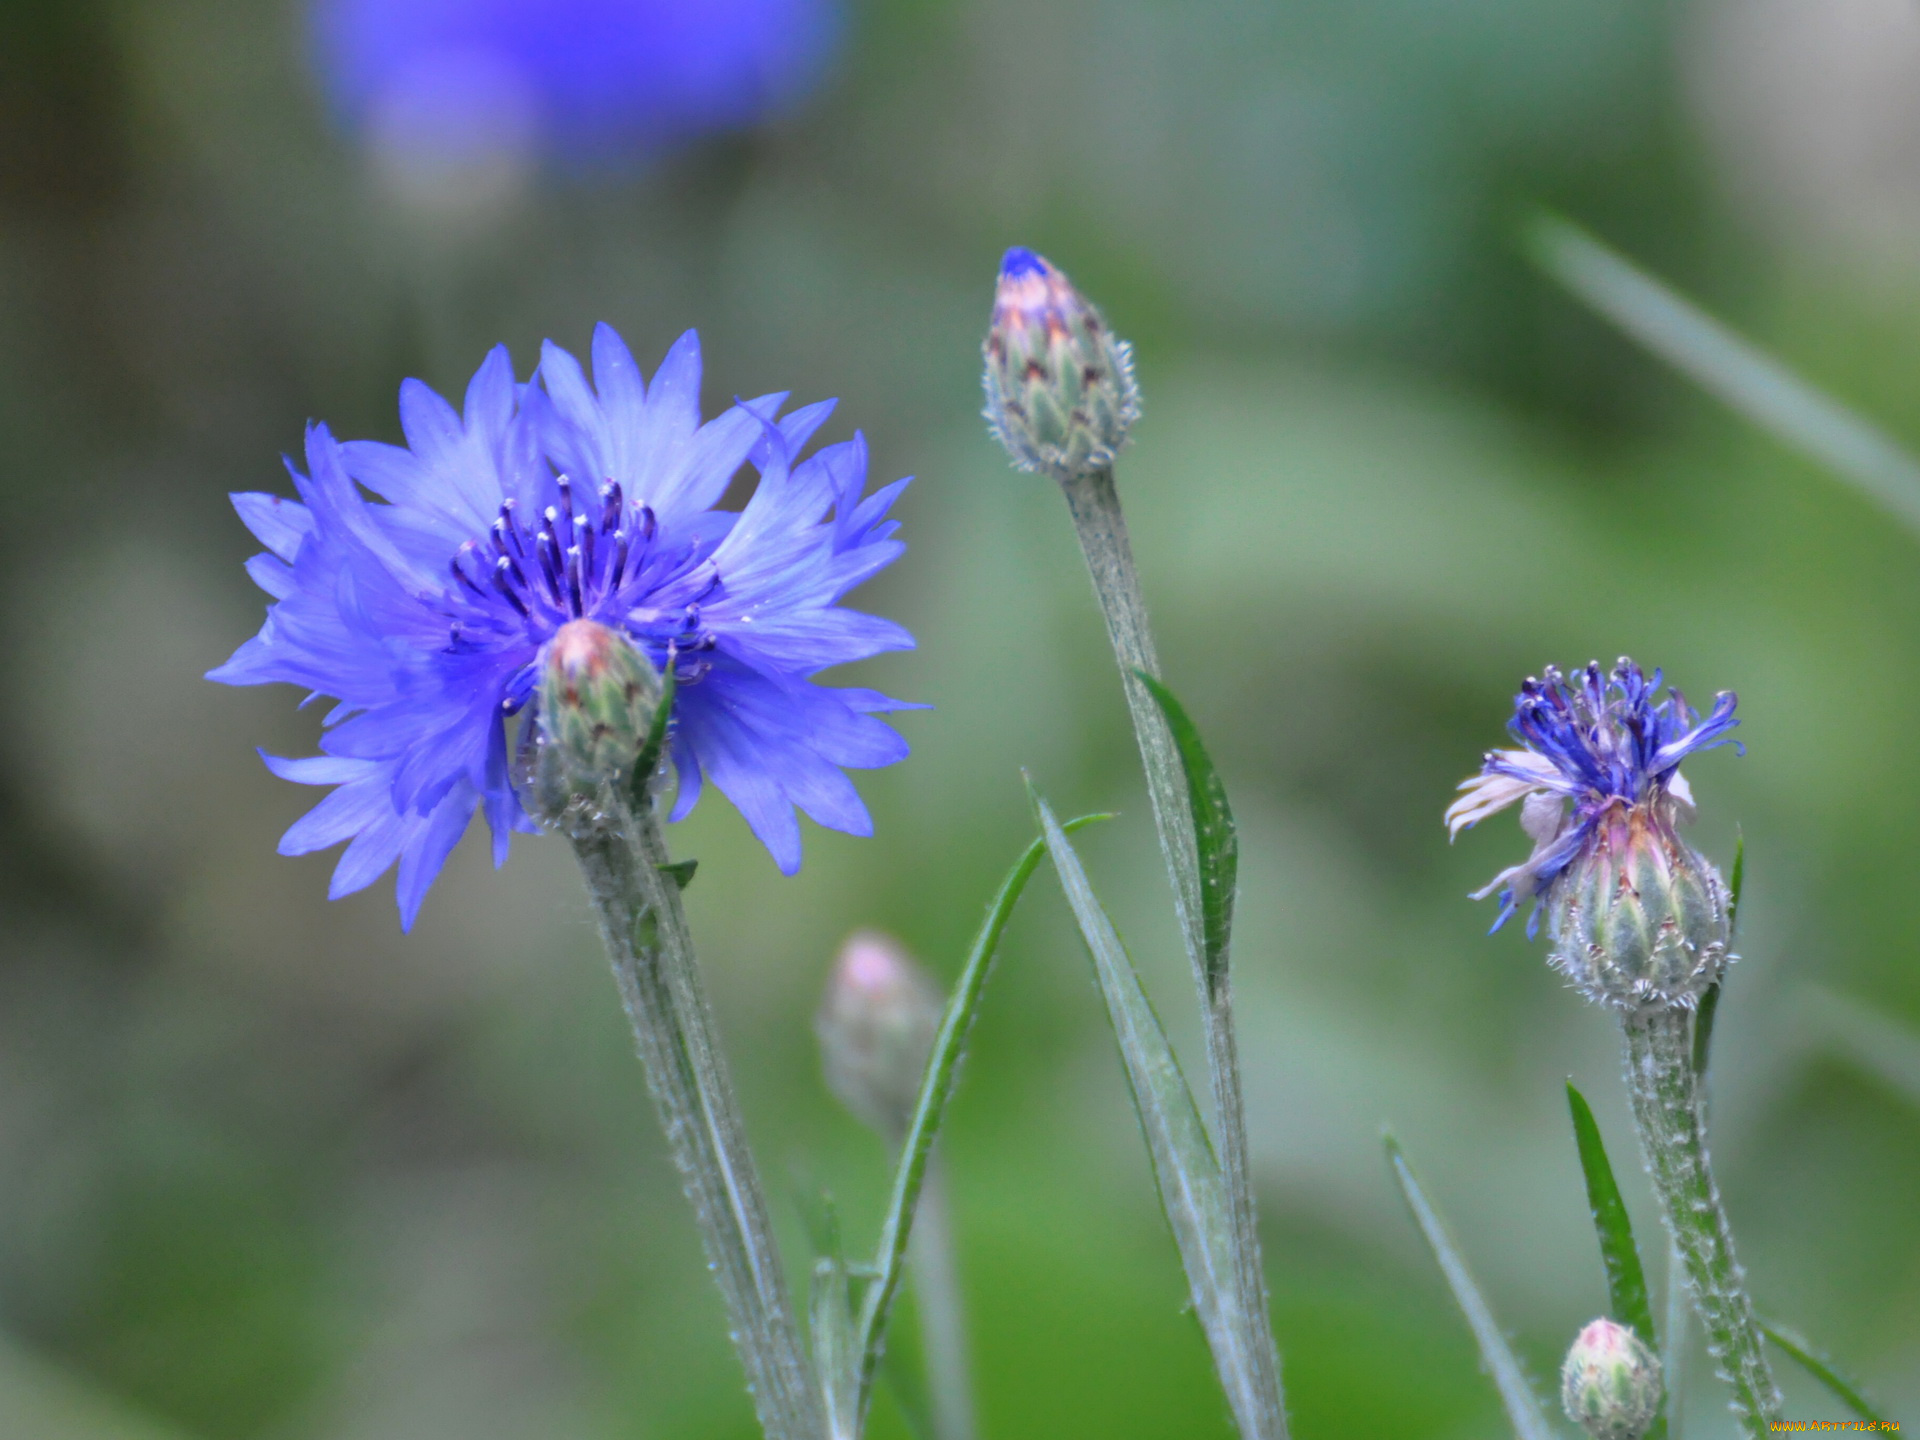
x=1638 y=918
x=597 y=697
x=1061 y=395
x=1611 y=1384
x=876 y=1027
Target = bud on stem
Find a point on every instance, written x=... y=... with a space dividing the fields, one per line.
x=1060 y=390
x=596 y=702
x=877 y=1026
x=1639 y=920
x=1610 y=1385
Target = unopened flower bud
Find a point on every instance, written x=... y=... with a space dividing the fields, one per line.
x=1610 y=1384
x=876 y=1027
x=597 y=698
x=1060 y=389
x=1639 y=922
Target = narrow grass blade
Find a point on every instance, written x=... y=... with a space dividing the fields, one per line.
x=1626 y=1279
x=1191 y=1190
x=1214 y=834
x=943 y=1069
x=1523 y=1408
x=1860 y=1036
x=1822 y=1369
x=1728 y=366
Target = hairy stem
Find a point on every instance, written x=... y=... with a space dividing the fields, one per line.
x=1670 y=1112
x=936 y=1287
x=646 y=935
x=1102 y=528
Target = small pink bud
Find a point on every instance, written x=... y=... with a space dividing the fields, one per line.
x=876 y=1027
x=1611 y=1384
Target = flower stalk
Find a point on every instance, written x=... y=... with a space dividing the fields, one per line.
x=636 y=899
x=1669 y=1110
x=1062 y=399
x=1094 y=502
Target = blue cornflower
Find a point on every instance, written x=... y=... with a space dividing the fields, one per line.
x=424 y=617
x=1601 y=756
x=593 y=80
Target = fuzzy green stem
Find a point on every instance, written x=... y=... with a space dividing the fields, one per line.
x=1669 y=1110
x=1094 y=503
x=645 y=929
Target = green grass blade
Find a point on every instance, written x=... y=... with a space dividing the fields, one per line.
x=1192 y=1193
x=1626 y=1278
x=1215 y=837
x=1516 y=1394
x=1726 y=365
x=943 y=1068
x=1822 y=1369
x=1874 y=1045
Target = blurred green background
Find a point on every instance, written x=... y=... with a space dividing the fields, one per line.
x=270 y=1170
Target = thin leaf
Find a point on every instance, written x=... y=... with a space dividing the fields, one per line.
x=1737 y=884
x=1822 y=1369
x=1192 y=1193
x=1704 y=1015
x=830 y=1317
x=1214 y=834
x=936 y=1087
x=1523 y=1407
x=1728 y=366
x=654 y=746
x=1709 y=1007
x=680 y=872
x=1626 y=1279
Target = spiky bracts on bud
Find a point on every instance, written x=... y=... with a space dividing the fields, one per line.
x=1610 y=1385
x=877 y=1025
x=1639 y=919
x=1061 y=396
x=597 y=698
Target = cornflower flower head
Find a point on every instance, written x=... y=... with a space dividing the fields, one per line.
x=1637 y=916
x=427 y=617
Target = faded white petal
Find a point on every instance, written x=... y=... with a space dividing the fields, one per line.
x=1488 y=794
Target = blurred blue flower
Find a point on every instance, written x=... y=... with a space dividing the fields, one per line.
x=587 y=80
x=425 y=617
x=1597 y=750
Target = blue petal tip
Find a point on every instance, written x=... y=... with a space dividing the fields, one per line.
x=1021 y=261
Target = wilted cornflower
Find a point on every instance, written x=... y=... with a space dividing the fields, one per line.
x=426 y=618
x=1637 y=916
